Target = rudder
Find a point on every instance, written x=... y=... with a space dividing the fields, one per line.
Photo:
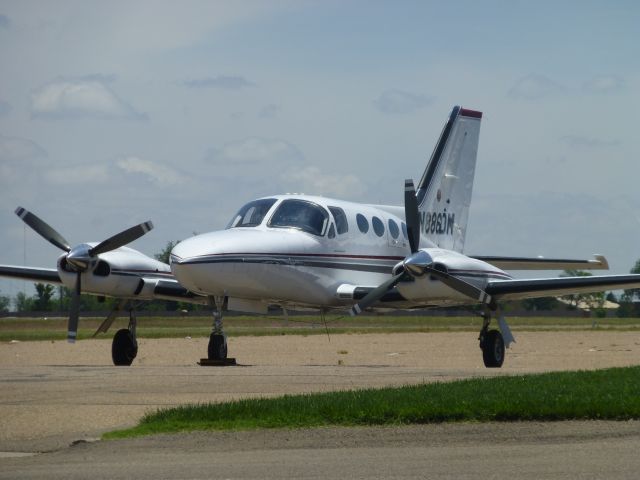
x=444 y=191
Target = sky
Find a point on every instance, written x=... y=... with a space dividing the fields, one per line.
x=114 y=113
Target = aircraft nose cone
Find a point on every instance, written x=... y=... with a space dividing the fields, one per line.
x=186 y=251
x=188 y=258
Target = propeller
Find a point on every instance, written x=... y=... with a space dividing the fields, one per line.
x=419 y=262
x=79 y=257
x=42 y=228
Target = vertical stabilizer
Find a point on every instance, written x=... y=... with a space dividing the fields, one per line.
x=444 y=192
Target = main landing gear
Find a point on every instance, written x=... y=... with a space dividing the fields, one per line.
x=124 y=347
x=493 y=343
x=217 y=349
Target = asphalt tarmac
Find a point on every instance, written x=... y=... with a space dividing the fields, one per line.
x=54 y=395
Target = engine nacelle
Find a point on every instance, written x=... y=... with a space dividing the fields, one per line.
x=123 y=273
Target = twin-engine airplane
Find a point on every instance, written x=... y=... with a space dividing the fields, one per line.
x=306 y=252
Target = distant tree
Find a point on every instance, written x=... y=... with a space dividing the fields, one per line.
x=593 y=300
x=165 y=253
x=24 y=303
x=42 y=301
x=611 y=297
x=540 y=304
x=632 y=295
x=5 y=303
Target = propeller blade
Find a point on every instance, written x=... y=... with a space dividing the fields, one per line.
x=43 y=229
x=461 y=286
x=374 y=295
x=412 y=216
x=74 y=314
x=121 y=239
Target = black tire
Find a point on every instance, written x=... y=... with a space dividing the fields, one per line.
x=124 y=348
x=493 y=349
x=217 y=349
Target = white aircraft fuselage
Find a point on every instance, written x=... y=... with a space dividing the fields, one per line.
x=278 y=262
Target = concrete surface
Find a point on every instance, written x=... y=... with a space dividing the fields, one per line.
x=53 y=394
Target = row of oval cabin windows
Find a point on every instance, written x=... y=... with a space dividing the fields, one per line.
x=378 y=226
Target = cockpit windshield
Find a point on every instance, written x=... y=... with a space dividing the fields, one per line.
x=301 y=214
x=252 y=214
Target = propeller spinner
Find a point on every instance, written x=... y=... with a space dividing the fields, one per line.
x=79 y=257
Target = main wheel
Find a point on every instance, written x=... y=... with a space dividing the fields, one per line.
x=217 y=349
x=124 y=348
x=492 y=349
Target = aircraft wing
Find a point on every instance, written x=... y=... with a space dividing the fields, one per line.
x=43 y=275
x=598 y=262
x=165 y=289
x=551 y=287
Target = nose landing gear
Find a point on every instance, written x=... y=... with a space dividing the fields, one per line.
x=217 y=348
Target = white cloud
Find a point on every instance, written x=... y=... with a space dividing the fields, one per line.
x=127 y=170
x=399 y=102
x=604 y=84
x=312 y=180
x=160 y=175
x=86 y=97
x=228 y=82
x=578 y=141
x=534 y=87
x=86 y=174
x=255 y=150
x=15 y=149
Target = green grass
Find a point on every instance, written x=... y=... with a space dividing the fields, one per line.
x=612 y=394
x=26 y=329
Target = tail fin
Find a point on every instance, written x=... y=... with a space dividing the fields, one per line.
x=444 y=192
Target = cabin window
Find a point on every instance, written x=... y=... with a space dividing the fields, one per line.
x=332 y=232
x=342 y=226
x=302 y=215
x=252 y=214
x=378 y=226
x=404 y=231
x=393 y=229
x=363 y=223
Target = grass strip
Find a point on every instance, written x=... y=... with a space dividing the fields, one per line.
x=611 y=394
x=39 y=329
